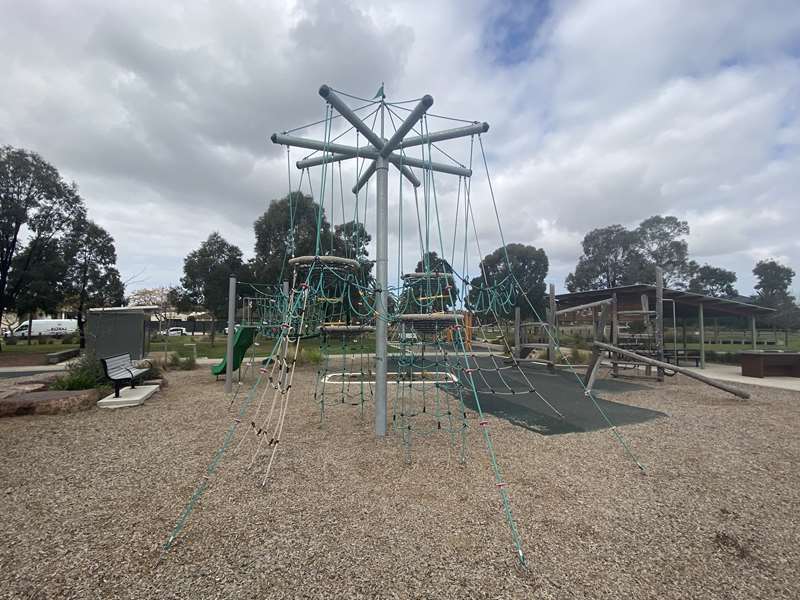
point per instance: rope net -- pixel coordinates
(438, 316)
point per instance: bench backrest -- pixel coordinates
(117, 365)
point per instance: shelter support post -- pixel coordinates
(648, 326)
(596, 359)
(753, 332)
(614, 319)
(553, 334)
(702, 329)
(229, 337)
(660, 321)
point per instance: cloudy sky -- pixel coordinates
(601, 112)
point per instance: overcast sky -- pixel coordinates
(601, 113)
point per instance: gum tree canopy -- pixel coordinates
(289, 227)
(529, 266)
(614, 256)
(206, 272)
(91, 277)
(37, 207)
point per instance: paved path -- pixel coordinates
(733, 374)
(25, 371)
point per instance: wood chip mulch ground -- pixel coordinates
(87, 499)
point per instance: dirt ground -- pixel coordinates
(88, 499)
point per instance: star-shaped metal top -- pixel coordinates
(380, 148)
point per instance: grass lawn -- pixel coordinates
(21, 354)
(205, 349)
(36, 348)
(203, 342)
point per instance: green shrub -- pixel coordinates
(155, 369)
(176, 361)
(575, 355)
(71, 338)
(579, 343)
(82, 374)
(309, 356)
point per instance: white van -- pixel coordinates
(48, 327)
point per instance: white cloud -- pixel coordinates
(604, 112)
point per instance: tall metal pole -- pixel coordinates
(231, 332)
(382, 293)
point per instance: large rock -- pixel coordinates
(49, 402)
(15, 389)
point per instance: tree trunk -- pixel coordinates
(81, 321)
(81, 328)
(30, 327)
(214, 330)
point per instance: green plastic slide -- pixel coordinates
(242, 340)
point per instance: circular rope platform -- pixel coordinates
(432, 275)
(328, 261)
(442, 317)
(431, 322)
(347, 329)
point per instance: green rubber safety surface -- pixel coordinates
(561, 389)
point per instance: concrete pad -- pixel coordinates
(128, 397)
(733, 374)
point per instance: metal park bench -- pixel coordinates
(120, 368)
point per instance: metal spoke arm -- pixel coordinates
(405, 126)
(298, 142)
(396, 159)
(447, 134)
(331, 98)
(362, 181)
(378, 147)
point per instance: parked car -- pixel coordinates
(176, 331)
(48, 327)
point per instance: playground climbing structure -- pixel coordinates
(431, 317)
